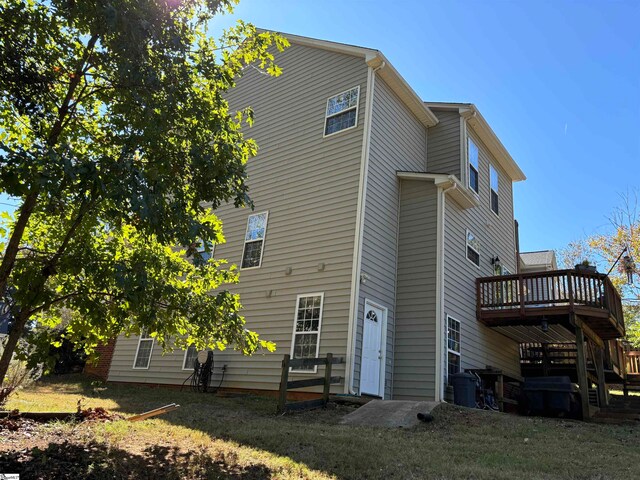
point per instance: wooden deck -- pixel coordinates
(559, 297)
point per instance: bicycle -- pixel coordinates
(485, 398)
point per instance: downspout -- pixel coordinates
(357, 251)
(440, 291)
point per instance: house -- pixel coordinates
(376, 213)
(540, 261)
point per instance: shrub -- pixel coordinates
(18, 376)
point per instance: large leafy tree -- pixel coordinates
(117, 140)
(609, 249)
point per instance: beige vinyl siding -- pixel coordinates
(480, 346)
(415, 343)
(398, 142)
(309, 186)
(444, 144)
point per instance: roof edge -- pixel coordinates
(449, 182)
(374, 59)
(473, 116)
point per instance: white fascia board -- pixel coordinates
(458, 193)
(374, 58)
(404, 91)
(480, 126)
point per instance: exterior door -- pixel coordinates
(372, 350)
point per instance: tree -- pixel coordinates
(607, 248)
(116, 137)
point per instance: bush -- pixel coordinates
(18, 376)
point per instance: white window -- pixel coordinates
(342, 111)
(473, 248)
(254, 240)
(474, 168)
(190, 357)
(204, 251)
(453, 347)
(143, 353)
(493, 175)
(306, 328)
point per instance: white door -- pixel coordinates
(370, 376)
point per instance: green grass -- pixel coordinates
(212, 437)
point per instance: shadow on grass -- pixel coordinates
(459, 443)
(100, 461)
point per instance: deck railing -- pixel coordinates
(565, 354)
(633, 363)
(549, 289)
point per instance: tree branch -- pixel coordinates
(50, 303)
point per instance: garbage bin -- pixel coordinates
(550, 396)
(464, 389)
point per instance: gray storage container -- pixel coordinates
(464, 389)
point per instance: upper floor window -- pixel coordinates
(254, 240)
(493, 175)
(474, 167)
(342, 111)
(306, 328)
(473, 248)
(143, 353)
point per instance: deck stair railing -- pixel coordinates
(633, 362)
(553, 353)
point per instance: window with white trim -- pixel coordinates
(254, 240)
(493, 176)
(204, 251)
(190, 356)
(306, 329)
(473, 248)
(143, 353)
(474, 165)
(342, 111)
(453, 347)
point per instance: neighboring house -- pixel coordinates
(541, 261)
(375, 212)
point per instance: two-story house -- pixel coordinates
(375, 213)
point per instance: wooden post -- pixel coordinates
(282, 398)
(602, 387)
(521, 287)
(327, 379)
(571, 296)
(583, 381)
(545, 359)
(500, 392)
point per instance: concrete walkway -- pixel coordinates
(389, 413)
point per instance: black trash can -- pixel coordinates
(464, 389)
(550, 396)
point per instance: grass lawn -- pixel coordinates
(242, 438)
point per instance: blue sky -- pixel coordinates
(559, 82)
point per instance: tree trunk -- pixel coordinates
(26, 210)
(12, 341)
(16, 237)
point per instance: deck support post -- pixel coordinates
(602, 386)
(583, 381)
(545, 359)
